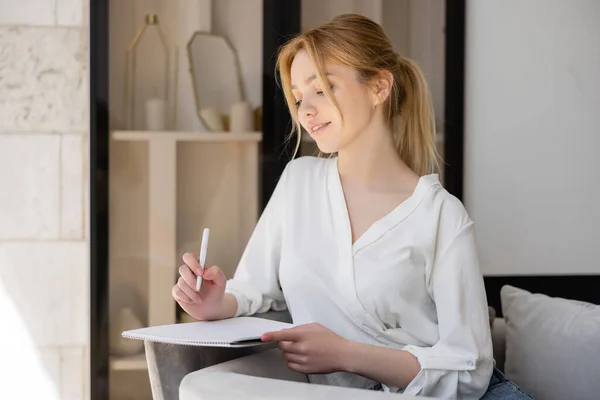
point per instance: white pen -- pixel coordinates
(202, 260)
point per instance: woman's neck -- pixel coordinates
(371, 161)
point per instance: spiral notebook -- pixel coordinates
(232, 332)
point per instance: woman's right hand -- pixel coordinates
(207, 303)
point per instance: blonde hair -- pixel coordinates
(357, 42)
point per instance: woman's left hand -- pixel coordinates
(311, 348)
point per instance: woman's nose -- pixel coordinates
(307, 109)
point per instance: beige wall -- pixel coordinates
(44, 263)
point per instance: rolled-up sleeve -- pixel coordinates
(255, 283)
(460, 364)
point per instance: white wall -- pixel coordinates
(44, 238)
(532, 133)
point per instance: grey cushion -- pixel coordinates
(552, 345)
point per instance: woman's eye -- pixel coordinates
(321, 92)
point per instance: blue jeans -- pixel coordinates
(501, 388)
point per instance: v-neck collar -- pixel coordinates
(382, 225)
(344, 269)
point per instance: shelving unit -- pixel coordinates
(166, 186)
(178, 136)
(132, 363)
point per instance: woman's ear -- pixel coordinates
(382, 86)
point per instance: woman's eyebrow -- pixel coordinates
(310, 79)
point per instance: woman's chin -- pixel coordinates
(327, 145)
(327, 148)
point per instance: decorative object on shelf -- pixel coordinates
(124, 321)
(156, 114)
(215, 75)
(212, 118)
(155, 77)
(241, 118)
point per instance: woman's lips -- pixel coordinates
(320, 128)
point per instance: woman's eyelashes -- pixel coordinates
(319, 92)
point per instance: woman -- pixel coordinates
(373, 258)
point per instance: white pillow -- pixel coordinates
(552, 345)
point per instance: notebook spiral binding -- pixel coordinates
(243, 343)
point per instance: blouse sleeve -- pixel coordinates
(255, 283)
(460, 364)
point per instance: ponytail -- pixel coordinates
(415, 124)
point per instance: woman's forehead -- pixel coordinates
(304, 70)
(302, 65)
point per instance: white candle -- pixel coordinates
(156, 114)
(241, 117)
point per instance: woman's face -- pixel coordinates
(318, 116)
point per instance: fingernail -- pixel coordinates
(199, 271)
(207, 275)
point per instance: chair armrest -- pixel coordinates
(265, 364)
(231, 385)
(281, 316)
(169, 363)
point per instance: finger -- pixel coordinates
(191, 293)
(191, 261)
(268, 336)
(287, 346)
(290, 335)
(188, 276)
(215, 275)
(180, 296)
(300, 359)
(297, 367)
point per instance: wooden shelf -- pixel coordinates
(214, 137)
(132, 363)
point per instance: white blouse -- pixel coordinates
(410, 282)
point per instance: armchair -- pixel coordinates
(257, 372)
